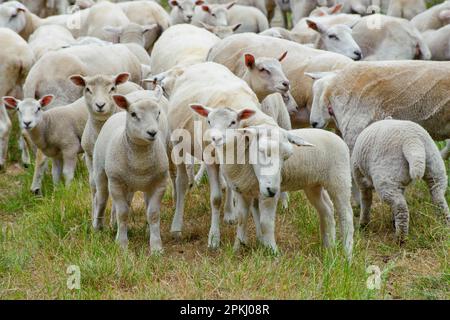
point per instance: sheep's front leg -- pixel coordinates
(216, 200)
(181, 185)
(24, 146)
(4, 140)
(153, 218)
(268, 208)
(100, 200)
(40, 167)
(242, 206)
(69, 164)
(229, 212)
(119, 196)
(56, 170)
(256, 218)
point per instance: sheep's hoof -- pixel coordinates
(123, 244)
(37, 192)
(26, 165)
(177, 235)
(363, 226)
(239, 245)
(213, 242)
(97, 226)
(156, 251)
(230, 219)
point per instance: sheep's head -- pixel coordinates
(269, 148)
(98, 91)
(131, 33)
(186, 8)
(30, 110)
(337, 38)
(217, 14)
(221, 31)
(221, 120)
(265, 75)
(12, 16)
(321, 110)
(325, 11)
(166, 80)
(143, 116)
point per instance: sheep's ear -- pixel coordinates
(46, 100)
(121, 101)
(207, 26)
(173, 3)
(149, 27)
(283, 56)
(114, 30)
(444, 14)
(249, 60)
(206, 8)
(122, 78)
(336, 9)
(199, 2)
(230, 5)
(297, 140)
(10, 102)
(78, 80)
(315, 25)
(318, 75)
(158, 92)
(236, 26)
(201, 110)
(245, 114)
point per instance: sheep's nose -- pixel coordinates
(271, 192)
(152, 133)
(314, 124)
(26, 123)
(358, 55)
(100, 105)
(189, 17)
(286, 84)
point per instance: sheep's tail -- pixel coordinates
(414, 152)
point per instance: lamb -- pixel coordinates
(51, 73)
(15, 16)
(438, 43)
(50, 38)
(389, 155)
(16, 59)
(300, 59)
(323, 171)
(251, 19)
(406, 9)
(129, 156)
(56, 132)
(213, 15)
(382, 37)
(433, 18)
(183, 11)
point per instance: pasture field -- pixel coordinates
(42, 236)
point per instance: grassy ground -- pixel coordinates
(41, 237)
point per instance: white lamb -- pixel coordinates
(130, 156)
(389, 155)
(183, 10)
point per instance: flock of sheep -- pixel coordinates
(139, 91)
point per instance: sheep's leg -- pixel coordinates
(366, 205)
(56, 170)
(284, 197)
(446, 151)
(268, 208)
(3, 150)
(229, 212)
(100, 200)
(24, 147)
(153, 218)
(120, 201)
(215, 200)
(242, 206)
(40, 167)
(356, 196)
(341, 198)
(69, 165)
(395, 198)
(326, 217)
(181, 184)
(437, 183)
(88, 161)
(285, 19)
(200, 173)
(256, 218)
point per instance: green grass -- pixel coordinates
(41, 236)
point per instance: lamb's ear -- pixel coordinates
(319, 75)
(245, 114)
(46, 100)
(249, 60)
(444, 14)
(317, 26)
(173, 3)
(78, 80)
(207, 26)
(10, 102)
(122, 78)
(201, 110)
(149, 27)
(297, 140)
(230, 5)
(121, 101)
(199, 2)
(336, 9)
(236, 26)
(114, 30)
(206, 8)
(283, 56)
(158, 92)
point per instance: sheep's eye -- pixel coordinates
(134, 115)
(213, 14)
(209, 122)
(232, 123)
(13, 16)
(88, 90)
(112, 89)
(38, 109)
(333, 36)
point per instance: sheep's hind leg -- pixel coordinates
(100, 200)
(69, 165)
(40, 167)
(181, 185)
(153, 218)
(120, 202)
(242, 206)
(438, 186)
(215, 200)
(395, 198)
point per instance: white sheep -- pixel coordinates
(56, 132)
(438, 43)
(50, 38)
(434, 18)
(389, 155)
(212, 14)
(183, 10)
(323, 171)
(250, 19)
(130, 156)
(406, 9)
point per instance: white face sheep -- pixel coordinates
(12, 16)
(129, 156)
(388, 156)
(337, 38)
(215, 15)
(183, 10)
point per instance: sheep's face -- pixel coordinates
(320, 111)
(98, 92)
(30, 111)
(166, 80)
(186, 8)
(216, 15)
(220, 121)
(266, 75)
(143, 117)
(12, 16)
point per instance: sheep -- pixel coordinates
(406, 9)
(183, 10)
(251, 19)
(16, 59)
(433, 18)
(382, 37)
(181, 44)
(51, 73)
(388, 155)
(446, 151)
(259, 4)
(98, 92)
(299, 60)
(337, 38)
(214, 85)
(302, 8)
(213, 15)
(15, 16)
(129, 156)
(50, 38)
(438, 43)
(326, 11)
(56, 132)
(323, 171)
